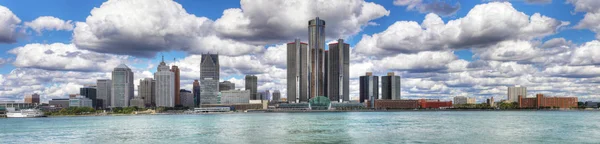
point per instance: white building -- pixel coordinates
(122, 86)
(235, 97)
(165, 86)
(80, 101)
(516, 91)
(464, 100)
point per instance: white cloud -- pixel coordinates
(437, 7)
(49, 23)
(420, 62)
(8, 26)
(587, 54)
(591, 20)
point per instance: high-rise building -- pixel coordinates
(298, 70)
(390, 86)
(226, 85)
(326, 63)
(177, 83)
(235, 97)
(276, 96)
(80, 101)
(187, 98)
(165, 86)
(251, 82)
(147, 92)
(209, 79)
(515, 91)
(122, 86)
(339, 71)
(32, 99)
(369, 88)
(316, 42)
(104, 91)
(196, 91)
(266, 95)
(91, 93)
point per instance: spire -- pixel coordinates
(163, 58)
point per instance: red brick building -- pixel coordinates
(540, 101)
(436, 104)
(394, 104)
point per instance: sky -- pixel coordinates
(440, 48)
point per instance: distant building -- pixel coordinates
(122, 86)
(393, 104)
(138, 102)
(540, 101)
(369, 88)
(252, 85)
(316, 42)
(196, 91)
(516, 91)
(187, 98)
(32, 99)
(165, 86)
(80, 101)
(17, 105)
(591, 104)
(63, 103)
(91, 93)
(491, 102)
(226, 85)
(458, 100)
(235, 97)
(176, 84)
(276, 96)
(103, 92)
(298, 70)
(266, 95)
(390, 86)
(147, 92)
(338, 76)
(209, 79)
(434, 104)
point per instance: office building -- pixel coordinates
(32, 99)
(235, 97)
(326, 67)
(541, 101)
(165, 86)
(316, 42)
(339, 71)
(196, 91)
(137, 102)
(103, 92)
(298, 70)
(147, 92)
(369, 88)
(187, 98)
(491, 102)
(390, 86)
(226, 85)
(80, 101)
(91, 93)
(63, 103)
(122, 86)
(266, 95)
(251, 82)
(458, 100)
(515, 91)
(276, 96)
(209, 79)
(176, 83)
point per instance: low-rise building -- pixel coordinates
(137, 102)
(187, 98)
(80, 101)
(63, 103)
(393, 104)
(17, 105)
(434, 103)
(235, 97)
(590, 104)
(540, 101)
(458, 100)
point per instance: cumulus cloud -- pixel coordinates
(420, 62)
(49, 23)
(591, 20)
(587, 54)
(437, 7)
(59, 56)
(8, 26)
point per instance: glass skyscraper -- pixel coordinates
(122, 86)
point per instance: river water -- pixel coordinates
(326, 127)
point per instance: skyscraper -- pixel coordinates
(226, 85)
(209, 79)
(196, 92)
(103, 92)
(33, 98)
(252, 85)
(187, 98)
(390, 86)
(326, 74)
(147, 92)
(91, 93)
(122, 86)
(515, 91)
(316, 42)
(298, 70)
(276, 95)
(369, 88)
(165, 86)
(339, 71)
(175, 71)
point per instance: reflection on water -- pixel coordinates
(350, 127)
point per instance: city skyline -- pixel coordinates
(554, 53)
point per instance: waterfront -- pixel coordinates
(339, 127)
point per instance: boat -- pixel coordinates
(26, 113)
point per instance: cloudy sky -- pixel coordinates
(441, 49)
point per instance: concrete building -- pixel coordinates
(390, 86)
(176, 83)
(103, 92)
(138, 102)
(32, 99)
(316, 42)
(196, 91)
(464, 100)
(91, 93)
(265, 95)
(491, 102)
(540, 101)
(147, 92)
(369, 88)
(165, 86)
(235, 97)
(515, 91)
(298, 70)
(338, 71)
(209, 79)
(80, 101)
(276, 96)
(226, 85)
(187, 98)
(63, 103)
(122, 86)
(251, 82)
(326, 63)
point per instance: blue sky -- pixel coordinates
(434, 75)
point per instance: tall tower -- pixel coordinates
(209, 79)
(252, 85)
(338, 72)
(147, 91)
(369, 88)
(103, 92)
(175, 71)
(390, 86)
(298, 70)
(316, 42)
(122, 86)
(165, 86)
(196, 91)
